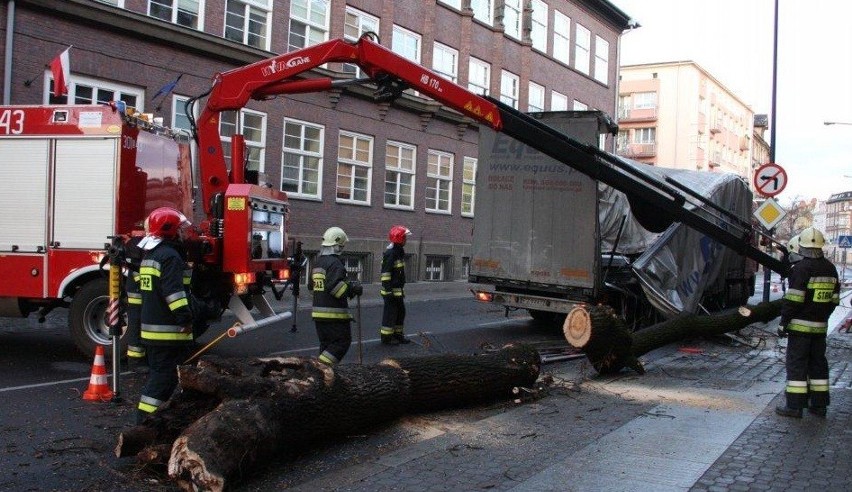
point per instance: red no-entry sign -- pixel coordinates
(770, 179)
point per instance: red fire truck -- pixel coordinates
(78, 176)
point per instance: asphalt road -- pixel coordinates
(53, 440)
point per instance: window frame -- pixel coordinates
(540, 91)
(480, 7)
(302, 153)
(510, 99)
(309, 24)
(582, 48)
(199, 15)
(247, 11)
(361, 16)
(399, 171)
(94, 84)
(561, 40)
(355, 165)
(259, 145)
(515, 6)
(641, 135)
(563, 97)
(540, 35)
(439, 53)
(439, 179)
(601, 72)
(475, 87)
(468, 183)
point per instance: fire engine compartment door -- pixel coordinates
(84, 192)
(23, 203)
(536, 218)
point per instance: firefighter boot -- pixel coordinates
(400, 338)
(817, 411)
(389, 340)
(786, 411)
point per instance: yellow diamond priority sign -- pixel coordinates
(769, 213)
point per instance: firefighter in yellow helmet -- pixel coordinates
(813, 294)
(393, 283)
(332, 289)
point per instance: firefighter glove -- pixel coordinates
(782, 331)
(355, 289)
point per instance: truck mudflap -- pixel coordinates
(527, 301)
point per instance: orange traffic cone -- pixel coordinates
(98, 389)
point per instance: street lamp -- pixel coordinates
(829, 123)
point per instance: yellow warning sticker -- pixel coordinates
(236, 203)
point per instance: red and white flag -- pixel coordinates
(61, 73)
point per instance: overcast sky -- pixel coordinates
(732, 39)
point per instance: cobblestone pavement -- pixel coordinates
(701, 419)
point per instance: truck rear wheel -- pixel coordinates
(87, 318)
(545, 317)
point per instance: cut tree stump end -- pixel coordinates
(577, 327)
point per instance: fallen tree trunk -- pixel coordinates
(248, 410)
(610, 346)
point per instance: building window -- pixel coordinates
(538, 33)
(479, 77)
(114, 3)
(85, 90)
(468, 186)
(622, 141)
(400, 162)
(644, 135)
(601, 60)
(561, 37)
(308, 23)
(465, 267)
(456, 4)
(406, 44)
(180, 12)
(247, 22)
(252, 125)
(582, 45)
(578, 106)
(644, 100)
(354, 167)
(483, 10)
(355, 24)
(436, 268)
(558, 101)
(509, 89)
(512, 18)
(355, 266)
(439, 180)
(445, 61)
(535, 101)
(301, 162)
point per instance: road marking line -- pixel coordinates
(503, 322)
(53, 383)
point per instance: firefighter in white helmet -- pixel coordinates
(392, 331)
(332, 289)
(813, 294)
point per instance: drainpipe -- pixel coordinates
(7, 64)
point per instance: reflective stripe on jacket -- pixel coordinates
(330, 286)
(813, 293)
(166, 315)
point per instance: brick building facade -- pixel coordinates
(342, 158)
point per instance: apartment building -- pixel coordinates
(343, 159)
(677, 115)
(838, 222)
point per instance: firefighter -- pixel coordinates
(332, 290)
(166, 315)
(813, 294)
(393, 283)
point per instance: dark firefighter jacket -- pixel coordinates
(330, 287)
(813, 294)
(164, 282)
(393, 271)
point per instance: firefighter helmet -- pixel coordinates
(165, 222)
(811, 237)
(398, 234)
(334, 236)
(793, 245)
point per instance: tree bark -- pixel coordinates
(612, 347)
(268, 406)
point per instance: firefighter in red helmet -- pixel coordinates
(166, 317)
(393, 283)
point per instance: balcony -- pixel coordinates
(635, 150)
(637, 114)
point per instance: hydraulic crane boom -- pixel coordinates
(393, 74)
